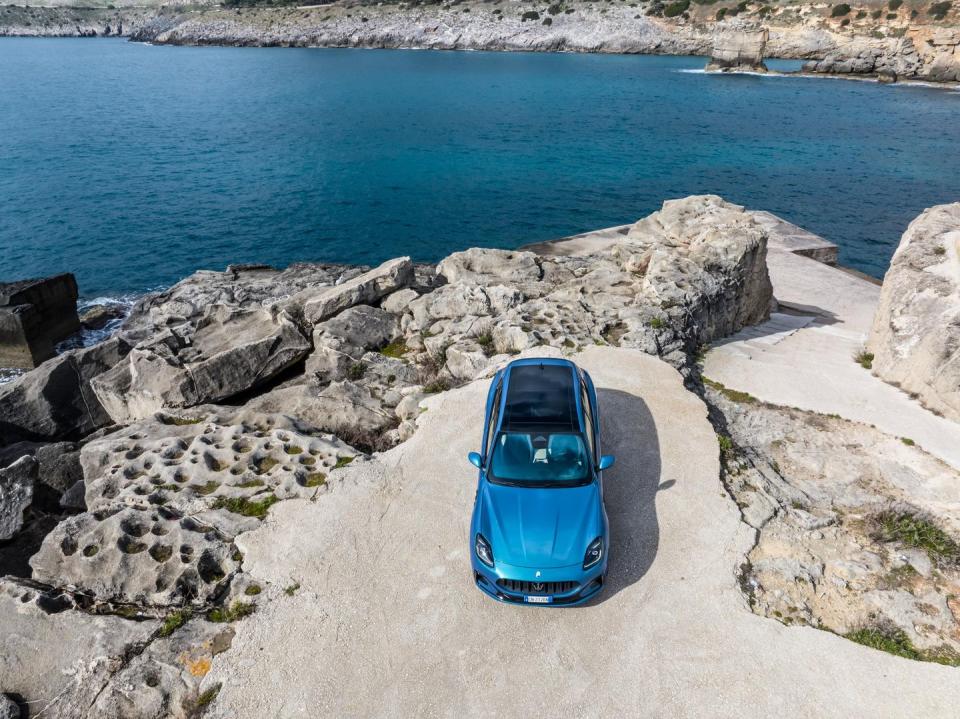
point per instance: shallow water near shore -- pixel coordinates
(133, 165)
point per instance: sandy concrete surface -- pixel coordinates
(813, 367)
(387, 622)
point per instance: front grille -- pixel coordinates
(521, 587)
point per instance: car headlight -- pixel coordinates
(594, 553)
(484, 552)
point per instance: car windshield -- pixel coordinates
(539, 459)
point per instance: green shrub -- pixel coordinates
(721, 13)
(356, 371)
(876, 14)
(530, 15)
(547, 21)
(939, 10)
(894, 4)
(676, 8)
(840, 10)
(861, 15)
(555, 9)
(864, 359)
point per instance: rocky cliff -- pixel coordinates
(887, 39)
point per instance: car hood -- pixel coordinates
(536, 527)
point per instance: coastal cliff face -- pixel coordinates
(889, 39)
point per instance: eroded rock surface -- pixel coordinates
(166, 497)
(839, 510)
(915, 338)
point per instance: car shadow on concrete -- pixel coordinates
(630, 487)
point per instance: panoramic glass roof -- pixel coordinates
(540, 396)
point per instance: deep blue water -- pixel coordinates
(133, 165)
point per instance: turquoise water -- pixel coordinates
(133, 165)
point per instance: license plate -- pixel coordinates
(539, 600)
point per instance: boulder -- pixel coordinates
(706, 267)
(34, 316)
(478, 265)
(16, 494)
(399, 301)
(915, 338)
(226, 352)
(367, 288)
(739, 52)
(55, 400)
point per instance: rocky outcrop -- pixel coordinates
(225, 352)
(915, 340)
(833, 504)
(363, 289)
(34, 316)
(739, 52)
(165, 497)
(55, 401)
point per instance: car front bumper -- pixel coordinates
(523, 583)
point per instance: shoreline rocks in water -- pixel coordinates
(739, 52)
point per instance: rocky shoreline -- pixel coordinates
(134, 472)
(875, 42)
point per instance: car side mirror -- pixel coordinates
(606, 462)
(475, 459)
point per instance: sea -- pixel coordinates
(133, 165)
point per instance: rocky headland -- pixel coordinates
(887, 40)
(158, 489)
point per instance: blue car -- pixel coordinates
(539, 532)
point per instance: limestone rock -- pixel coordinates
(59, 658)
(915, 337)
(398, 302)
(739, 51)
(246, 287)
(56, 401)
(165, 679)
(166, 497)
(34, 316)
(16, 493)
(226, 352)
(367, 288)
(476, 265)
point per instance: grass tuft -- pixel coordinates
(173, 622)
(246, 507)
(864, 359)
(343, 462)
(731, 394)
(396, 349)
(253, 590)
(292, 589)
(237, 610)
(917, 531)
